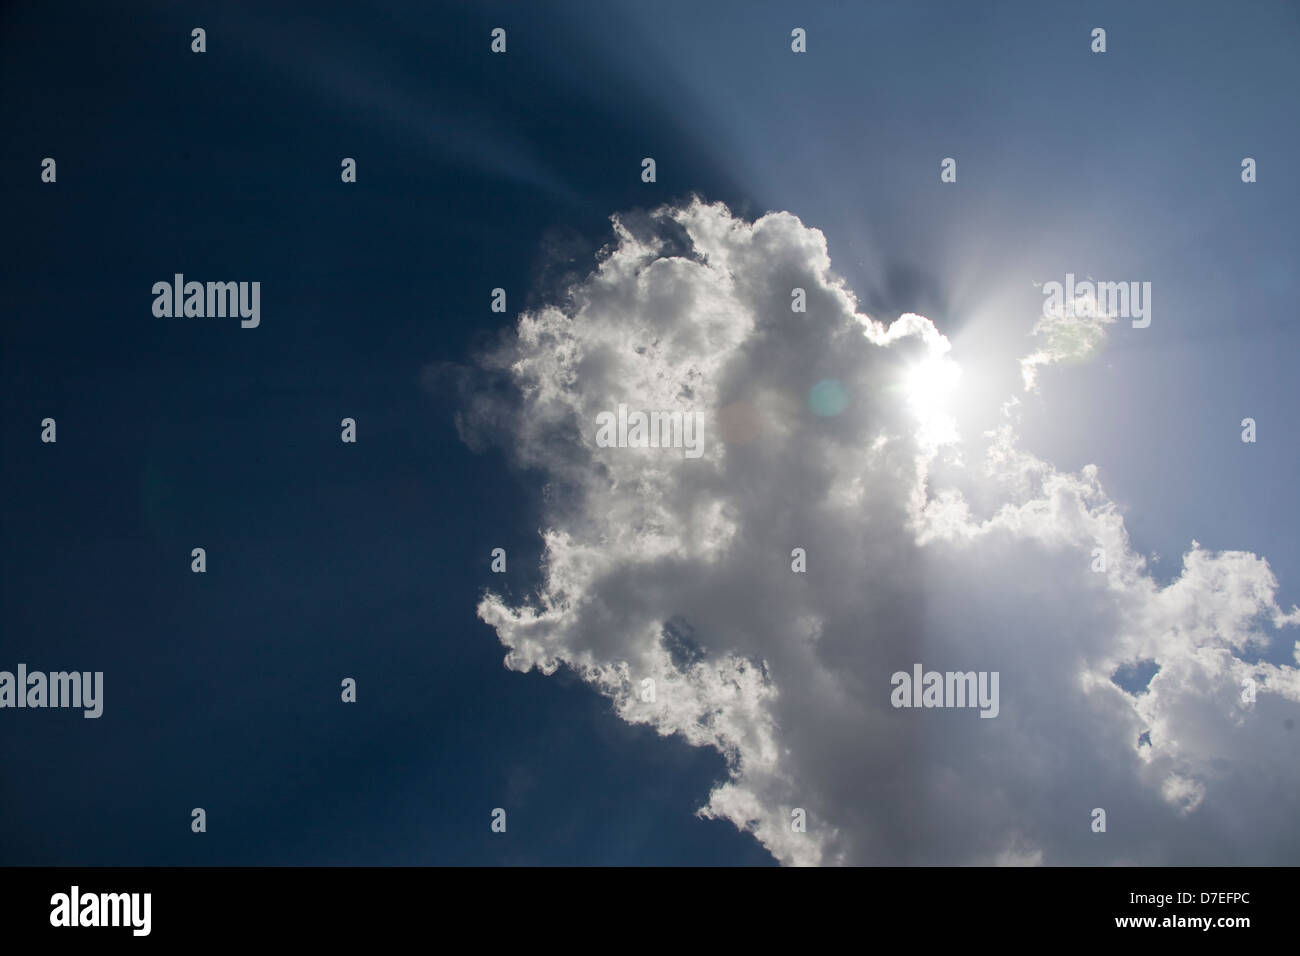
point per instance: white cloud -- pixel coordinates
(962, 555)
(1068, 331)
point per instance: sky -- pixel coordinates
(948, 518)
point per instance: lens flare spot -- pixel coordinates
(828, 397)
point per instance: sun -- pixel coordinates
(928, 387)
(930, 383)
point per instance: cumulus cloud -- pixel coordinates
(961, 553)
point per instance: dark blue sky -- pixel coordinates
(325, 560)
(476, 171)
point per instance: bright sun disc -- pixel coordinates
(929, 387)
(930, 384)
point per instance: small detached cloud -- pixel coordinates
(1070, 330)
